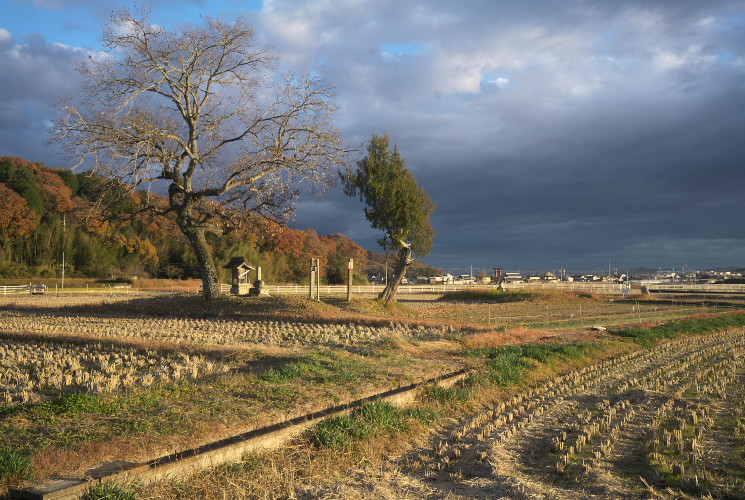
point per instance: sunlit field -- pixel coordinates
(90, 378)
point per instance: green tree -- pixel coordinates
(22, 180)
(71, 181)
(394, 203)
(202, 110)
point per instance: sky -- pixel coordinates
(551, 134)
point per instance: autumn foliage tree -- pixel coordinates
(394, 203)
(204, 111)
(78, 215)
(16, 219)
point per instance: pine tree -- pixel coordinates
(394, 203)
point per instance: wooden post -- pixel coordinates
(312, 277)
(350, 268)
(318, 279)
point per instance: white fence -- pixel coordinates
(695, 287)
(14, 289)
(608, 288)
(570, 286)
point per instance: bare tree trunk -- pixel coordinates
(404, 261)
(206, 262)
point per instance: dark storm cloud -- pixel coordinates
(35, 75)
(548, 133)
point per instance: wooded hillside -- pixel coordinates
(101, 228)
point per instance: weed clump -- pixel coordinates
(110, 491)
(447, 395)
(79, 404)
(361, 423)
(321, 367)
(14, 468)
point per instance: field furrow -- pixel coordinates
(667, 416)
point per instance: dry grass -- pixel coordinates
(272, 358)
(371, 469)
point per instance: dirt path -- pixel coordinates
(667, 417)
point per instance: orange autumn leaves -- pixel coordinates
(16, 218)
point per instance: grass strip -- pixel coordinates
(495, 296)
(363, 422)
(321, 367)
(508, 364)
(671, 329)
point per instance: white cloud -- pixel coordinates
(694, 57)
(500, 82)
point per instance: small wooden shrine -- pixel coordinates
(241, 283)
(240, 275)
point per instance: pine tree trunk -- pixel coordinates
(205, 261)
(404, 261)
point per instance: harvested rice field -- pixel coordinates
(552, 408)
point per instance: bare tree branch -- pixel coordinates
(203, 109)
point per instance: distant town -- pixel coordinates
(498, 275)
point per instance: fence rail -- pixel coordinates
(424, 289)
(606, 288)
(14, 289)
(698, 287)
(570, 286)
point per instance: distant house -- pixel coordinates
(445, 279)
(512, 277)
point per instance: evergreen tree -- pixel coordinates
(394, 203)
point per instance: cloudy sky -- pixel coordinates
(549, 133)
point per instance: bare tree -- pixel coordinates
(205, 110)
